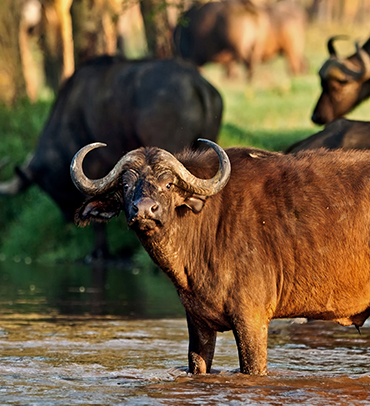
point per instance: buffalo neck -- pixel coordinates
(181, 251)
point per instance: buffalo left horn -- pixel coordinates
(187, 181)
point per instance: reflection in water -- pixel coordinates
(79, 289)
(66, 341)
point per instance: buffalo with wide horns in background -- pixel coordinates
(128, 104)
(340, 133)
(345, 83)
(239, 30)
(264, 236)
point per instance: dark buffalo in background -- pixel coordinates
(127, 104)
(340, 133)
(241, 31)
(272, 236)
(345, 83)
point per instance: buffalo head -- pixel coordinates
(148, 184)
(344, 84)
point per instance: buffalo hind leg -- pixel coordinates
(202, 343)
(251, 340)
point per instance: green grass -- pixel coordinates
(270, 113)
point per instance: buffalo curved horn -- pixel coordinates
(342, 65)
(20, 181)
(93, 187)
(330, 44)
(327, 67)
(364, 58)
(204, 187)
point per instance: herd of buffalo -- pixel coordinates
(245, 235)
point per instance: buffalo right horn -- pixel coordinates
(364, 58)
(187, 181)
(204, 187)
(93, 187)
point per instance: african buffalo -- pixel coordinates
(127, 104)
(340, 133)
(345, 83)
(238, 30)
(269, 236)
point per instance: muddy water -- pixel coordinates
(73, 336)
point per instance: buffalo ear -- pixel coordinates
(100, 209)
(195, 203)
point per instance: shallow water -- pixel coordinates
(73, 336)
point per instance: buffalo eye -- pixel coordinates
(128, 179)
(165, 179)
(343, 81)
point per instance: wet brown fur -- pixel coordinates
(288, 236)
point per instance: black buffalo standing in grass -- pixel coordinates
(340, 133)
(127, 104)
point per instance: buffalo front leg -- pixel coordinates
(202, 343)
(251, 340)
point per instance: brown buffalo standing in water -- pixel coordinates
(345, 83)
(269, 236)
(238, 30)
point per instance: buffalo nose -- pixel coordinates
(145, 207)
(319, 118)
(316, 118)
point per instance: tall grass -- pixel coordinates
(270, 113)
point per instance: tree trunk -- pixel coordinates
(57, 42)
(339, 11)
(157, 28)
(94, 28)
(29, 32)
(12, 82)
